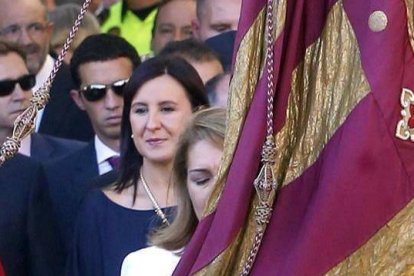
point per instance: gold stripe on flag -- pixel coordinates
(247, 68)
(325, 88)
(390, 252)
(410, 20)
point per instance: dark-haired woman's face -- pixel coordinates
(159, 113)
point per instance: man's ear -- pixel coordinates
(195, 27)
(77, 98)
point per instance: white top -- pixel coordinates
(103, 152)
(150, 261)
(25, 146)
(41, 78)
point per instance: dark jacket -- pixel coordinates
(29, 243)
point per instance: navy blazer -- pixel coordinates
(62, 117)
(29, 243)
(45, 148)
(69, 179)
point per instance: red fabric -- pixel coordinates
(1, 270)
(362, 178)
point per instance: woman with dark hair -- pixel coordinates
(195, 168)
(159, 99)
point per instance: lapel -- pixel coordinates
(40, 149)
(86, 166)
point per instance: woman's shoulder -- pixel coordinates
(151, 260)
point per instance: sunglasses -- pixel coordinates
(95, 92)
(26, 82)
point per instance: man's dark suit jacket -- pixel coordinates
(29, 243)
(62, 118)
(45, 148)
(69, 180)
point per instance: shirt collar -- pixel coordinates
(44, 72)
(25, 146)
(103, 152)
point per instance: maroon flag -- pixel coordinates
(1, 270)
(344, 80)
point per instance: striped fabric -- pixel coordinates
(346, 203)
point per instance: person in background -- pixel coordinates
(16, 99)
(223, 45)
(218, 89)
(159, 99)
(28, 241)
(100, 74)
(203, 59)
(171, 25)
(29, 244)
(99, 8)
(25, 22)
(195, 169)
(63, 18)
(215, 17)
(133, 20)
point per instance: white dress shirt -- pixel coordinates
(41, 78)
(25, 146)
(103, 152)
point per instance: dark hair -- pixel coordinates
(101, 47)
(181, 71)
(211, 86)
(190, 49)
(10, 47)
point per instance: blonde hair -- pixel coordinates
(207, 124)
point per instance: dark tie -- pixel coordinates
(114, 161)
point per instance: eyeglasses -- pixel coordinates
(14, 32)
(26, 82)
(95, 92)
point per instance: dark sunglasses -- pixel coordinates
(26, 82)
(95, 92)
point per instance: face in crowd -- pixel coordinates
(173, 23)
(215, 17)
(25, 22)
(100, 95)
(203, 162)
(158, 118)
(159, 99)
(15, 89)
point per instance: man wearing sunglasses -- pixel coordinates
(29, 243)
(25, 22)
(100, 67)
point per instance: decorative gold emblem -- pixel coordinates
(405, 127)
(378, 21)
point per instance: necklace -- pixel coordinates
(157, 209)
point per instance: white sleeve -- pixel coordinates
(128, 266)
(149, 261)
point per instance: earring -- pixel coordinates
(132, 136)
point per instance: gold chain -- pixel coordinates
(266, 183)
(157, 209)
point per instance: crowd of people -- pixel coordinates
(125, 153)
